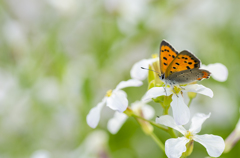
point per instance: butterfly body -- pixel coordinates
(179, 68)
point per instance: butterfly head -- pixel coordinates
(162, 77)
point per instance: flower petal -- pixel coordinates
(199, 89)
(214, 144)
(218, 70)
(141, 106)
(118, 101)
(197, 122)
(137, 72)
(181, 112)
(93, 116)
(115, 123)
(168, 121)
(153, 93)
(128, 83)
(148, 112)
(174, 147)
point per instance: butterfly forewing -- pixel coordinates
(184, 61)
(166, 55)
(188, 76)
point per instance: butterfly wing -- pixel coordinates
(184, 61)
(166, 55)
(189, 76)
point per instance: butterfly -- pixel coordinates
(179, 68)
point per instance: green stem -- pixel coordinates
(190, 101)
(172, 133)
(169, 130)
(166, 104)
(158, 141)
(165, 111)
(151, 122)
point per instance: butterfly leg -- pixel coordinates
(165, 88)
(181, 87)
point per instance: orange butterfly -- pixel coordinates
(179, 68)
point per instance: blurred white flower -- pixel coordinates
(174, 147)
(15, 34)
(40, 154)
(93, 146)
(64, 6)
(218, 71)
(138, 107)
(137, 72)
(129, 11)
(115, 99)
(233, 138)
(181, 112)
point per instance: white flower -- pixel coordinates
(94, 144)
(233, 138)
(115, 99)
(218, 71)
(115, 123)
(174, 147)
(181, 112)
(40, 154)
(137, 72)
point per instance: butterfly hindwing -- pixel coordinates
(184, 61)
(188, 76)
(166, 55)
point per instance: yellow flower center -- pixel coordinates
(109, 93)
(154, 56)
(176, 89)
(189, 135)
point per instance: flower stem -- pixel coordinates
(151, 122)
(172, 133)
(190, 101)
(169, 130)
(165, 111)
(166, 104)
(158, 141)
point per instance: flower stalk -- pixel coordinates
(158, 141)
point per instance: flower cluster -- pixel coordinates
(168, 97)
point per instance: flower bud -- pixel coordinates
(189, 147)
(192, 95)
(128, 112)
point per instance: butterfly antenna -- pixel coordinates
(159, 74)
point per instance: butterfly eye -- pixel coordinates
(162, 76)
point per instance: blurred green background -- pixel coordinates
(59, 57)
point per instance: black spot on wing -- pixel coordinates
(164, 58)
(188, 67)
